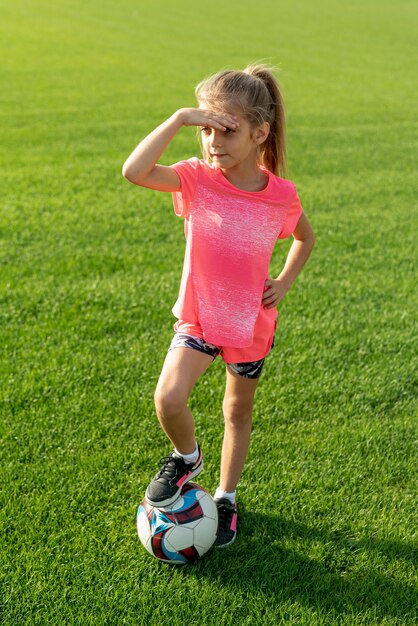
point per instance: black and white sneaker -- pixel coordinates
(227, 522)
(166, 486)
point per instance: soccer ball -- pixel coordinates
(181, 532)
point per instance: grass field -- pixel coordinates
(90, 268)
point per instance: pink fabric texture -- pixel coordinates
(230, 236)
(260, 347)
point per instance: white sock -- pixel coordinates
(225, 494)
(188, 458)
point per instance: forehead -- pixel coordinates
(222, 110)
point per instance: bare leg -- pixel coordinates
(181, 370)
(237, 406)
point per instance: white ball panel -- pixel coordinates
(175, 506)
(180, 537)
(205, 534)
(148, 546)
(191, 525)
(208, 506)
(143, 527)
(201, 551)
(201, 493)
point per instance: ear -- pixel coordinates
(261, 133)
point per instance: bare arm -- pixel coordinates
(141, 166)
(304, 239)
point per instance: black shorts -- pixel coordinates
(252, 369)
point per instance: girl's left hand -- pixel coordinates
(274, 292)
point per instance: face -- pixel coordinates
(232, 147)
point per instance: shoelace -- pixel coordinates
(225, 514)
(170, 469)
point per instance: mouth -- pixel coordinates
(217, 156)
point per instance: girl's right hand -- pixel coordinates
(207, 118)
(141, 167)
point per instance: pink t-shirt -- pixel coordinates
(230, 236)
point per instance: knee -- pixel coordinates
(237, 414)
(168, 402)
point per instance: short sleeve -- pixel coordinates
(293, 213)
(188, 172)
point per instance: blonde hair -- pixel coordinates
(256, 93)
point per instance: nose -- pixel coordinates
(215, 138)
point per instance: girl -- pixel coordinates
(235, 206)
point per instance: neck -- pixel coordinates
(246, 177)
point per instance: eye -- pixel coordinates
(206, 130)
(229, 131)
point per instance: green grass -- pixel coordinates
(90, 268)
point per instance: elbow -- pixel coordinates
(125, 172)
(128, 173)
(312, 240)
(135, 178)
(308, 241)
(311, 236)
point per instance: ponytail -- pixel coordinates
(273, 152)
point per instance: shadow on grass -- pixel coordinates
(344, 578)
